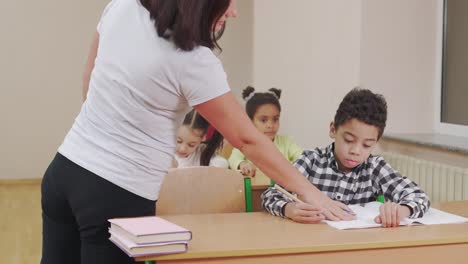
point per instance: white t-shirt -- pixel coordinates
(193, 159)
(140, 89)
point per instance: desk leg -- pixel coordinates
(248, 194)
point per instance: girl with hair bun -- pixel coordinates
(264, 109)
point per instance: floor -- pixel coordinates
(20, 221)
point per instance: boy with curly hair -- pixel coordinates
(348, 173)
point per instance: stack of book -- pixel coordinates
(146, 236)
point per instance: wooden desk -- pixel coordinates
(259, 184)
(261, 238)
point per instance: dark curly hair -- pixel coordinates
(254, 101)
(365, 106)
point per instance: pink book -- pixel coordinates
(151, 229)
(138, 250)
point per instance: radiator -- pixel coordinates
(440, 181)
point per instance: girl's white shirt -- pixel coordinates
(193, 159)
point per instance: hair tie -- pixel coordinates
(249, 97)
(275, 95)
(209, 132)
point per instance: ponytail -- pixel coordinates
(214, 143)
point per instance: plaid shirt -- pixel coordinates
(362, 185)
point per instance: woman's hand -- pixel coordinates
(391, 214)
(247, 169)
(303, 213)
(331, 210)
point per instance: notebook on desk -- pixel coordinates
(365, 218)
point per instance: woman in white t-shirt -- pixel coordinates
(198, 143)
(149, 62)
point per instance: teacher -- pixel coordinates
(150, 61)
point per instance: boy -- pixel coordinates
(348, 173)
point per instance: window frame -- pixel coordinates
(439, 126)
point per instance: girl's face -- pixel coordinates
(188, 140)
(230, 12)
(267, 120)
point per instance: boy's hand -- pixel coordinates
(332, 210)
(303, 213)
(391, 214)
(247, 168)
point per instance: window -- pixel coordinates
(452, 94)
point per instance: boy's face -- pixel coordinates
(266, 120)
(354, 142)
(188, 140)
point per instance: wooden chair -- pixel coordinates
(197, 190)
(225, 152)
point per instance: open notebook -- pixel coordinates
(365, 218)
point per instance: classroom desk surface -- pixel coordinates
(260, 181)
(261, 238)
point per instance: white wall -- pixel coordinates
(310, 50)
(237, 45)
(43, 50)
(398, 59)
(314, 50)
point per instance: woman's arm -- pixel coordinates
(90, 65)
(225, 113)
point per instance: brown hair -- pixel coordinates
(188, 23)
(195, 121)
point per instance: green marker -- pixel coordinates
(248, 194)
(381, 199)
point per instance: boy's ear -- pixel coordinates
(332, 130)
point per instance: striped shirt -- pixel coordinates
(362, 185)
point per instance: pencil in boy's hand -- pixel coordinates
(349, 212)
(289, 195)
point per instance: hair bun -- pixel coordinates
(276, 92)
(247, 92)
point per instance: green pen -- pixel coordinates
(381, 199)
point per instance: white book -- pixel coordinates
(365, 218)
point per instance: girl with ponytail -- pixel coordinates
(198, 143)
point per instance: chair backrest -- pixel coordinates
(196, 190)
(226, 150)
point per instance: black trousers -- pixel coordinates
(76, 204)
